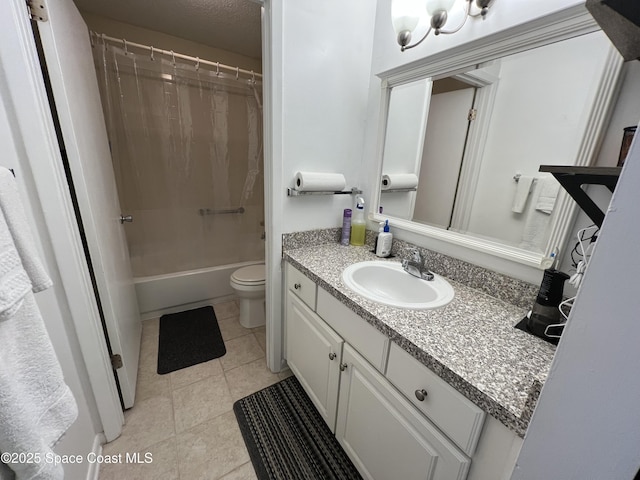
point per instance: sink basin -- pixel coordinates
(388, 283)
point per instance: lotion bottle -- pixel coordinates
(385, 239)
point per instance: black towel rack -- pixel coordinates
(572, 178)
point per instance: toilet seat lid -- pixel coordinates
(249, 275)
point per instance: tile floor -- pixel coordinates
(185, 419)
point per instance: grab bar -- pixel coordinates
(208, 211)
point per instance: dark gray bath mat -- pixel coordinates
(287, 438)
(188, 338)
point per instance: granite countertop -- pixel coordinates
(470, 343)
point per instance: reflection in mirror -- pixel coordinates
(476, 139)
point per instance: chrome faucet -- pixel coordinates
(416, 266)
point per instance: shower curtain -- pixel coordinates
(186, 145)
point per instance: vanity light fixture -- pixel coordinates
(406, 14)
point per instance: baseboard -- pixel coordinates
(186, 306)
(94, 468)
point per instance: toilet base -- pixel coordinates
(252, 312)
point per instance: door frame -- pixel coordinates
(26, 97)
(273, 185)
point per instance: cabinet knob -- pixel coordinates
(332, 356)
(297, 286)
(421, 394)
(343, 367)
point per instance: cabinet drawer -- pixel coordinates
(371, 344)
(454, 414)
(302, 286)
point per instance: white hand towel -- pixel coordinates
(36, 406)
(549, 188)
(523, 187)
(11, 206)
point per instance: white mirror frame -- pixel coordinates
(560, 26)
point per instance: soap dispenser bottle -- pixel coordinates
(385, 239)
(358, 223)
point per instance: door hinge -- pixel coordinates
(116, 361)
(37, 10)
(472, 114)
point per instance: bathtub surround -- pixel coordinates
(470, 343)
(187, 155)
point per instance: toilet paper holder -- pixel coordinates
(296, 193)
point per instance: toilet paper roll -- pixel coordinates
(399, 180)
(319, 182)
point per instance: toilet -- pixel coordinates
(248, 284)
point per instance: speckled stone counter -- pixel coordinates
(470, 343)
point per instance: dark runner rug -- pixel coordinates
(188, 338)
(287, 438)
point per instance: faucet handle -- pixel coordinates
(416, 256)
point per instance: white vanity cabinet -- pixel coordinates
(313, 349)
(364, 386)
(384, 435)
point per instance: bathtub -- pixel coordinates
(161, 294)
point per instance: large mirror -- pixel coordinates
(462, 148)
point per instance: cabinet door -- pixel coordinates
(384, 435)
(314, 352)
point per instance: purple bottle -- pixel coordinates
(346, 227)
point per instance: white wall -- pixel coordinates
(52, 302)
(317, 61)
(324, 69)
(586, 423)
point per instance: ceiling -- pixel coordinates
(232, 25)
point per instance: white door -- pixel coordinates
(442, 156)
(67, 50)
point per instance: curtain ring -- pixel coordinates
(126, 52)
(104, 43)
(217, 69)
(237, 72)
(197, 63)
(152, 59)
(92, 38)
(173, 58)
(253, 78)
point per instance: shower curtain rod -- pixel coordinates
(197, 60)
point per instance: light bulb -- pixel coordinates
(434, 6)
(405, 14)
